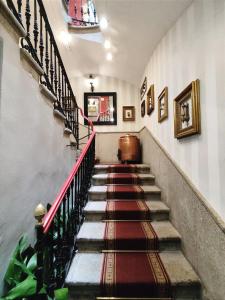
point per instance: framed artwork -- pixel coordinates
(128, 113)
(150, 100)
(163, 105)
(187, 111)
(143, 108)
(143, 88)
(100, 108)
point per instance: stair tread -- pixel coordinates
(145, 188)
(100, 206)
(103, 166)
(105, 175)
(86, 270)
(94, 231)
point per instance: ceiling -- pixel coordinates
(135, 28)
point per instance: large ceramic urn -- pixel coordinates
(129, 148)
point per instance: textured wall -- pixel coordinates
(34, 159)
(202, 231)
(194, 48)
(127, 94)
(107, 146)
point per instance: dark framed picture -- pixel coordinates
(150, 100)
(143, 88)
(100, 108)
(187, 120)
(128, 113)
(163, 105)
(143, 108)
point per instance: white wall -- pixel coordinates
(34, 159)
(127, 95)
(195, 48)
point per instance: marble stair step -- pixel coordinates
(141, 168)
(151, 192)
(84, 276)
(145, 179)
(95, 210)
(91, 236)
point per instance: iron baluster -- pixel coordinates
(19, 5)
(41, 43)
(35, 31)
(51, 65)
(55, 73)
(46, 53)
(28, 16)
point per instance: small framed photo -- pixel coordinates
(143, 88)
(150, 100)
(163, 105)
(128, 113)
(143, 108)
(187, 119)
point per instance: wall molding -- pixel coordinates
(218, 220)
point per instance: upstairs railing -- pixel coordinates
(58, 228)
(82, 13)
(40, 43)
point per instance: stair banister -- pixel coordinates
(56, 232)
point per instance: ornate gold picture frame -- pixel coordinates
(187, 119)
(163, 105)
(128, 113)
(150, 100)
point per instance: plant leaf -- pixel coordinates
(25, 288)
(32, 263)
(61, 294)
(11, 274)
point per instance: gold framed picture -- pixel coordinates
(128, 113)
(187, 120)
(163, 105)
(143, 109)
(150, 100)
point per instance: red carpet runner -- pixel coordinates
(127, 210)
(130, 235)
(134, 275)
(124, 192)
(123, 178)
(130, 274)
(121, 168)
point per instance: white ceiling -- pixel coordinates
(135, 29)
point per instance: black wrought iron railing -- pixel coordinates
(57, 230)
(41, 45)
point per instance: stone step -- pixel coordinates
(91, 236)
(84, 276)
(150, 192)
(95, 210)
(144, 179)
(141, 168)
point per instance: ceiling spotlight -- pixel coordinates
(109, 56)
(65, 38)
(103, 23)
(107, 44)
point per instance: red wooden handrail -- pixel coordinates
(52, 211)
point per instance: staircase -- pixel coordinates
(123, 203)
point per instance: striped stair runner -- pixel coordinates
(130, 273)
